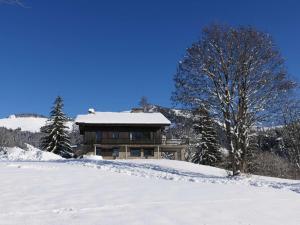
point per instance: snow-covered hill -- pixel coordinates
(30, 123)
(141, 192)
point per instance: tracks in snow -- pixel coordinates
(148, 170)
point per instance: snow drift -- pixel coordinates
(30, 154)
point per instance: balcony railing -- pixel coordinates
(173, 141)
(155, 141)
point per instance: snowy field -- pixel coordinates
(140, 192)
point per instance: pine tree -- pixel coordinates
(57, 138)
(206, 145)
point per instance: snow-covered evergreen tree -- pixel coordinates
(57, 138)
(206, 147)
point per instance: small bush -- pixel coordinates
(270, 164)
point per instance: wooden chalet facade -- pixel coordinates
(127, 135)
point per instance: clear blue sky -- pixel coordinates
(107, 54)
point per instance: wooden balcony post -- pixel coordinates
(125, 151)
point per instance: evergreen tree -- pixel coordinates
(57, 138)
(206, 145)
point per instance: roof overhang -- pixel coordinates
(123, 124)
(122, 119)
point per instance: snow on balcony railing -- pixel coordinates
(172, 141)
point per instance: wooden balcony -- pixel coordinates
(143, 141)
(124, 141)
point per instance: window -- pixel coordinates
(115, 152)
(140, 135)
(135, 135)
(135, 152)
(147, 135)
(115, 135)
(98, 136)
(98, 151)
(148, 152)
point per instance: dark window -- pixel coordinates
(146, 135)
(98, 151)
(115, 135)
(140, 135)
(98, 136)
(135, 135)
(115, 152)
(148, 152)
(135, 152)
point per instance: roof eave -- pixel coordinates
(124, 124)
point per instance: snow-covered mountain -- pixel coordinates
(26, 123)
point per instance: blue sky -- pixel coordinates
(107, 54)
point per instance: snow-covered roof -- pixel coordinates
(123, 118)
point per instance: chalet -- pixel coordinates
(127, 135)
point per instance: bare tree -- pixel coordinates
(240, 75)
(144, 103)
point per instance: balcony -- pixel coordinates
(142, 141)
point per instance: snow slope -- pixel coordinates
(32, 124)
(138, 192)
(30, 154)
